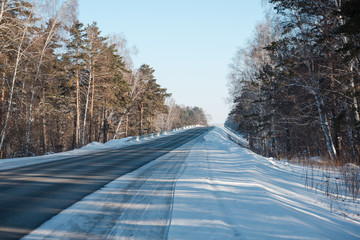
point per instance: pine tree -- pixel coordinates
(77, 48)
(151, 100)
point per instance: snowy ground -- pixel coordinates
(227, 192)
(221, 191)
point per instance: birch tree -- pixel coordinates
(53, 26)
(23, 25)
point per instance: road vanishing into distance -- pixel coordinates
(29, 196)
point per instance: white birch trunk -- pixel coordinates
(86, 108)
(118, 127)
(354, 100)
(325, 127)
(2, 9)
(119, 124)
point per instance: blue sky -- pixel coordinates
(189, 43)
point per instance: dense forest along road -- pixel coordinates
(31, 195)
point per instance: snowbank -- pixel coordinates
(227, 192)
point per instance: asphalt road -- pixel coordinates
(31, 195)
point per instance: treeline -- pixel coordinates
(178, 116)
(64, 85)
(295, 86)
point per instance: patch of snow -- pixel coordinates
(236, 137)
(351, 167)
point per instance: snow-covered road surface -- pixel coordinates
(222, 191)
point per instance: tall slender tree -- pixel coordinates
(77, 48)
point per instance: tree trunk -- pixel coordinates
(86, 108)
(272, 122)
(104, 127)
(59, 137)
(141, 106)
(353, 90)
(2, 99)
(99, 124)
(74, 134)
(288, 144)
(77, 129)
(27, 145)
(2, 9)
(127, 125)
(325, 127)
(92, 106)
(349, 130)
(44, 133)
(334, 128)
(118, 126)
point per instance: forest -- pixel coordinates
(64, 84)
(295, 85)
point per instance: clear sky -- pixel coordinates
(189, 43)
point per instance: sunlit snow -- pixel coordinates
(221, 191)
